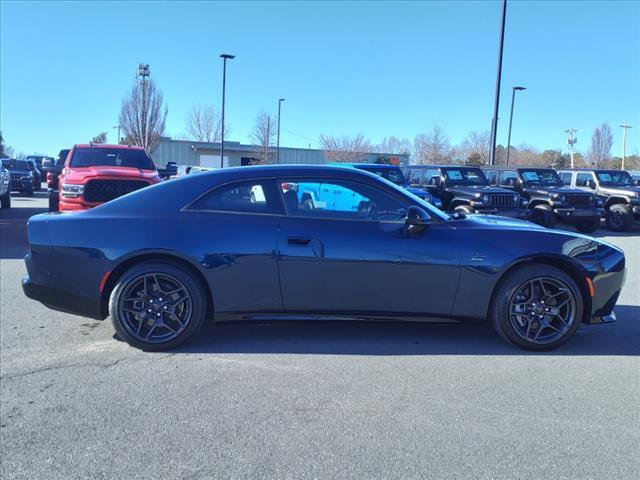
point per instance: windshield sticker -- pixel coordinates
(454, 175)
(530, 176)
(605, 177)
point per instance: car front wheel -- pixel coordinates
(5, 200)
(537, 307)
(543, 215)
(157, 306)
(619, 217)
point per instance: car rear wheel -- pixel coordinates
(543, 215)
(157, 306)
(5, 200)
(588, 227)
(537, 307)
(619, 217)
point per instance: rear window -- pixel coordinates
(112, 157)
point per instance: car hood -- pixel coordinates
(622, 190)
(474, 191)
(555, 190)
(80, 174)
(19, 171)
(418, 191)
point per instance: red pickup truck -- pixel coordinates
(96, 173)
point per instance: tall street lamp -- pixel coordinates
(513, 97)
(225, 57)
(494, 124)
(280, 100)
(117, 127)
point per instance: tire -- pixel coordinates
(54, 202)
(192, 309)
(5, 200)
(619, 217)
(464, 209)
(518, 282)
(544, 216)
(588, 227)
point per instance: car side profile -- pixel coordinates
(5, 188)
(97, 173)
(163, 259)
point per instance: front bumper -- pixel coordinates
(519, 213)
(607, 285)
(21, 185)
(578, 215)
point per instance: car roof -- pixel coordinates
(380, 166)
(106, 145)
(514, 167)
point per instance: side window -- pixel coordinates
(415, 175)
(583, 178)
(509, 178)
(256, 196)
(492, 176)
(566, 177)
(429, 176)
(340, 199)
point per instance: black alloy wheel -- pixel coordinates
(157, 306)
(619, 217)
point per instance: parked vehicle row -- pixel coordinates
(5, 187)
(312, 242)
(580, 198)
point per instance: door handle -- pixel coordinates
(298, 241)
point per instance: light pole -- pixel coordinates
(624, 127)
(513, 97)
(494, 124)
(280, 100)
(225, 57)
(571, 141)
(144, 72)
(117, 127)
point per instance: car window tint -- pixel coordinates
(414, 177)
(509, 178)
(492, 176)
(566, 178)
(430, 176)
(340, 199)
(256, 196)
(582, 179)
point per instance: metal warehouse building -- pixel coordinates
(187, 152)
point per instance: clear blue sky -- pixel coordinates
(379, 68)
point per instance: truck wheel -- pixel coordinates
(157, 306)
(5, 200)
(464, 209)
(543, 215)
(53, 202)
(588, 227)
(536, 307)
(619, 217)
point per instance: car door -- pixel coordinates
(232, 233)
(357, 256)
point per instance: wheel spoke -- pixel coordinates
(544, 290)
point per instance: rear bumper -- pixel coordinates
(578, 215)
(62, 301)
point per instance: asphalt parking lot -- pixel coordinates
(321, 400)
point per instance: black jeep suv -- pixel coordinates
(548, 199)
(465, 190)
(616, 189)
(21, 176)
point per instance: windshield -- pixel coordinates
(394, 175)
(112, 157)
(615, 177)
(465, 176)
(541, 177)
(15, 164)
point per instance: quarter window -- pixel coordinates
(340, 199)
(256, 196)
(415, 175)
(582, 179)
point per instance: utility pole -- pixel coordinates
(266, 145)
(280, 100)
(624, 127)
(571, 141)
(225, 57)
(494, 124)
(118, 127)
(513, 98)
(144, 72)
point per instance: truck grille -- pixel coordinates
(579, 200)
(105, 190)
(502, 200)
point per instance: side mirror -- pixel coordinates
(637, 182)
(417, 220)
(591, 184)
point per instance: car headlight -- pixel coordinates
(485, 198)
(598, 202)
(561, 199)
(71, 190)
(524, 202)
(436, 202)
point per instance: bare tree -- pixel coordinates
(345, 149)
(262, 135)
(601, 141)
(394, 145)
(204, 123)
(143, 114)
(100, 138)
(432, 147)
(475, 148)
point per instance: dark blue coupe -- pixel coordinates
(248, 243)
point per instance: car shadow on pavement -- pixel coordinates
(13, 225)
(403, 338)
